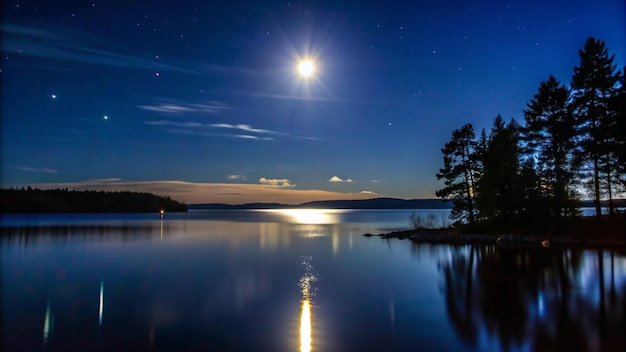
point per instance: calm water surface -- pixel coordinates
(304, 280)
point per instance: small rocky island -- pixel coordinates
(29, 200)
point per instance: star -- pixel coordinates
(53, 96)
(106, 117)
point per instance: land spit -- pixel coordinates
(449, 236)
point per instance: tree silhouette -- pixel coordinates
(71, 201)
(617, 130)
(549, 134)
(594, 85)
(460, 173)
(498, 196)
(524, 178)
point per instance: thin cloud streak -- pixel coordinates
(284, 96)
(103, 180)
(191, 128)
(173, 123)
(64, 44)
(36, 169)
(243, 127)
(172, 107)
(60, 43)
(228, 193)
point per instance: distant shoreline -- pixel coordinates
(37, 201)
(372, 204)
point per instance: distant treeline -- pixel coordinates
(29, 200)
(527, 177)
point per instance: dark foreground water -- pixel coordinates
(302, 280)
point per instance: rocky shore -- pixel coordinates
(449, 236)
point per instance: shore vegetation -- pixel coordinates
(529, 177)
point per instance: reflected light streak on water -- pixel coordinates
(47, 324)
(541, 305)
(335, 243)
(307, 290)
(101, 303)
(308, 216)
(305, 326)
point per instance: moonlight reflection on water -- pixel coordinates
(307, 216)
(306, 283)
(263, 280)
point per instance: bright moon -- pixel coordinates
(306, 68)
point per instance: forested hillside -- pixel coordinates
(28, 200)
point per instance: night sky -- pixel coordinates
(203, 101)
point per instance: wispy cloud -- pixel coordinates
(338, 179)
(173, 107)
(105, 180)
(242, 127)
(36, 169)
(307, 138)
(304, 97)
(204, 129)
(279, 182)
(247, 136)
(174, 123)
(72, 45)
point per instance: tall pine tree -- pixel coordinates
(548, 135)
(617, 106)
(498, 197)
(594, 85)
(459, 173)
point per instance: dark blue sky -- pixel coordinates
(202, 100)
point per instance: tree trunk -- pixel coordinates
(608, 180)
(596, 184)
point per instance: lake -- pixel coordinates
(293, 280)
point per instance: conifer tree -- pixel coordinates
(594, 85)
(460, 173)
(617, 107)
(548, 135)
(499, 193)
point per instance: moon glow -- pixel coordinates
(306, 68)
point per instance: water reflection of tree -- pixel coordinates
(531, 298)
